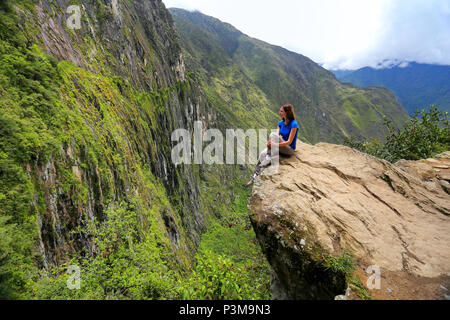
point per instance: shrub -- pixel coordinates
(126, 264)
(217, 278)
(230, 264)
(423, 136)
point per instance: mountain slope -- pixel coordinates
(417, 86)
(327, 109)
(229, 89)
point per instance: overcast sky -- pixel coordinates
(341, 34)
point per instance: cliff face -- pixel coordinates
(328, 202)
(87, 116)
(133, 39)
(136, 41)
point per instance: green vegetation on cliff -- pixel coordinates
(70, 143)
(86, 178)
(28, 112)
(128, 263)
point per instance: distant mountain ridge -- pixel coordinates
(240, 72)
(416, 85)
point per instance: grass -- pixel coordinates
(346, 264)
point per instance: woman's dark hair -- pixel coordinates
(289, 110)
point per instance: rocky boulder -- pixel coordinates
(328, 200)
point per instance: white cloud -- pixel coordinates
(344, 34)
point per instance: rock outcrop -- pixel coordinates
(329, 199)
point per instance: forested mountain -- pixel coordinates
(417, 86)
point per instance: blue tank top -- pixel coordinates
(285, 132)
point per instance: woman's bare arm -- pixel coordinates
(291, 138)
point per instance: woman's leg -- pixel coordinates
(263, 155)
(285, 150)
(264, 161)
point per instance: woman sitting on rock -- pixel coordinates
(285, 139)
